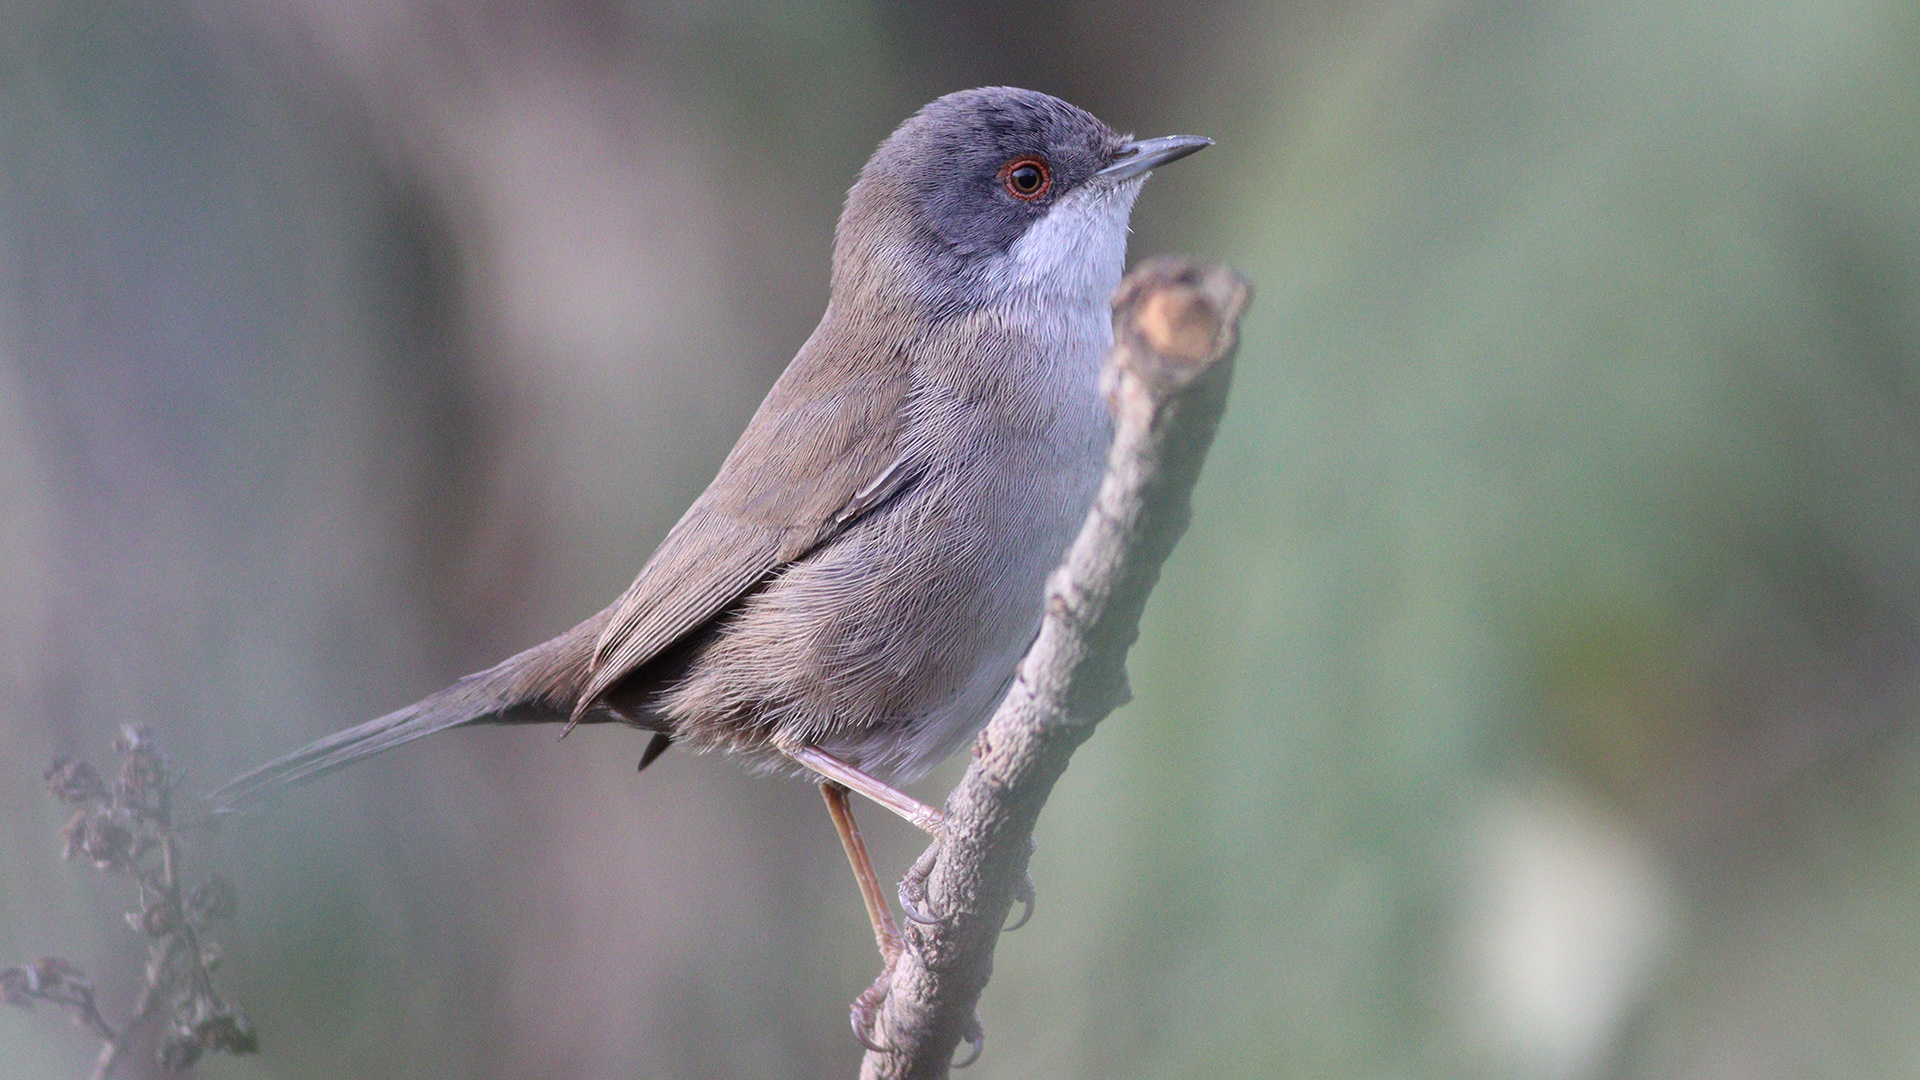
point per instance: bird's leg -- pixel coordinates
(916, 813)
(886, 932)
(839, 778)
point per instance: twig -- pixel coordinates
(118, 827)
(1175, 330)
(116, 1046)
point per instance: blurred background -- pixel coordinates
(1535, 694)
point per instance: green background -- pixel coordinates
(1533, 696)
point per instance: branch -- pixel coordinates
(1175, 330)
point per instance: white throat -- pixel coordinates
(1076, 253)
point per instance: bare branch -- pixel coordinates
(1175, 330)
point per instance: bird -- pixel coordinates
(848, 598)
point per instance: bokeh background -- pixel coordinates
(1535, 694)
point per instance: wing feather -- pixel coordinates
(823, 450)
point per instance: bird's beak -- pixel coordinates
(1141, 155)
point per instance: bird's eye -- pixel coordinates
(1026, 178)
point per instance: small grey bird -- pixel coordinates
(852, 592)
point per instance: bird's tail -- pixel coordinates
(535, 686)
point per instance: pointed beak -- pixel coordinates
(1141, 155)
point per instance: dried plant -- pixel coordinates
(127, 828)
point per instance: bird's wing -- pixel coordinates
(823, 449)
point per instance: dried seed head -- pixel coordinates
(180, 1050)
(16, 987)
(75, 782)
(108, 845)
(160, 919)
(213, 899)
(228, 1032)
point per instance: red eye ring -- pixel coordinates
(1026, 178)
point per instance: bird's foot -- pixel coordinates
(865, 1015)
(1023, 892)
(913, 888)
(913, 893)
(865, 1018)
(976, 1037)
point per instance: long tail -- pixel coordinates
(535, 686)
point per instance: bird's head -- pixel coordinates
(995, 195)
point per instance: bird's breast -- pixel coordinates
(891, 643)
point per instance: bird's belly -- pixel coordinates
(1009, 605)
(891, 645)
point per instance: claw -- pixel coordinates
(976, 1037)
(913, 913)
(1022, 892)
(866, 1010)
(915, 883)
(860, 1026)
